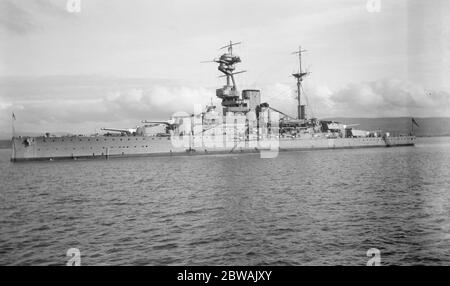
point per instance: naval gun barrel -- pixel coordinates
(276, 110)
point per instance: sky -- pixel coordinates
(114, 63)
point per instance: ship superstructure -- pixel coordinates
(242, 124)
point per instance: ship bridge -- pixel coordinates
(232, 100)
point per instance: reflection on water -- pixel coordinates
(302, 208)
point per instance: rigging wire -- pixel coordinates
(272, 69)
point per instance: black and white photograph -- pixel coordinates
(250, 133)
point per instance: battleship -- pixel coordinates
(242, 124)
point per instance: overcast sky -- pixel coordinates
(117, 62)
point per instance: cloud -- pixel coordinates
(5, 105)
(159, 102)
(81, 104)
(389, 98)
(155, 102)
(380, 98)
(14, 19)
(23, 17)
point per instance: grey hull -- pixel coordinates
(88, 148)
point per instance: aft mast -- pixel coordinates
(301, 114)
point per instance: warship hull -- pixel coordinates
(104, 147)
(243, 124)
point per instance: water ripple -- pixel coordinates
(302, 208)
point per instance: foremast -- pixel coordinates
(231, 100)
